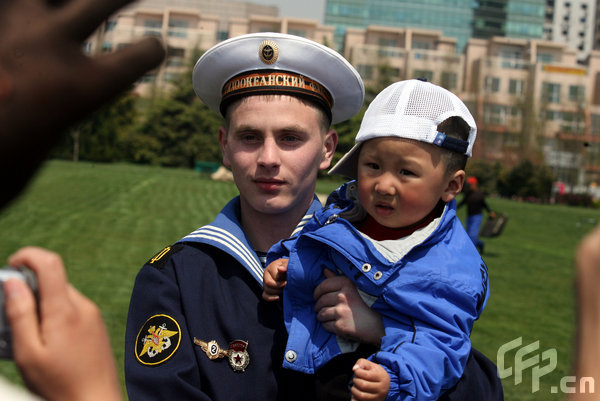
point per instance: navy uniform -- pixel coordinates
(199, 302)
(198, 328)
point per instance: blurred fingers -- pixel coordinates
(22, 316)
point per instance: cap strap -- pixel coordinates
(453, 144)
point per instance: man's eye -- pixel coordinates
(249, 137)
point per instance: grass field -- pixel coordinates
(107, 220)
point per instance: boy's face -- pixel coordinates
(400, 181)
(275, 147)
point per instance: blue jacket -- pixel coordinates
(206, 287)
(429, 288)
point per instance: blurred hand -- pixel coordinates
(341, 310)
(65, 353)
(47, 83)
(371, 381)
(588, 312)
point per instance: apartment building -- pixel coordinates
(532, 99)
(405, 53)
(189, 26)
(571, 22)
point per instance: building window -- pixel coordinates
(428, 75)
(107, 47)
(178, 28)
(516, 86)
(175, 52)
(153, 27)
(449, 80)
(492, 85)
(576, 93)
(387, 42)
(494, 114)
(110, 25)
(545, 58)
(297, 32)
(550, 92)
(148, 78)
(421, 44)
(365, 71)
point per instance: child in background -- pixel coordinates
(395, 234)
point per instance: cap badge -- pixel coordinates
(237, 353)
(268, 51)
(157, 340)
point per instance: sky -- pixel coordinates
(313, 9)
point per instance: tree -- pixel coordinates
(99, 137)
(178, 128)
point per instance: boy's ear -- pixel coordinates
(454, 185)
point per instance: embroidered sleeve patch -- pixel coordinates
(161, 258)
(157, 340)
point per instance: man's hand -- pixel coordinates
(341, 310)
(64, 353)
(48, 83)
(274, 279)
(371, 382)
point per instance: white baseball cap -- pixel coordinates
(267, 63)
(410, 109)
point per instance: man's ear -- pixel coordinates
(223, 143)
(454, 185)
(329, 144)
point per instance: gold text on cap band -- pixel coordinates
(269, 82)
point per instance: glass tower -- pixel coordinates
(454, 18)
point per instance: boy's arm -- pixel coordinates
(426, 350)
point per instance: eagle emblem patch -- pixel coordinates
(157, 340)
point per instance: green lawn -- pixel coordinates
(107, 220)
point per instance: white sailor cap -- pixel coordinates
(271, 63)
(410, 109)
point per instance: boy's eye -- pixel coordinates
(406, 172)
(373, 166)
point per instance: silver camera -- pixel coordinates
(28, 276)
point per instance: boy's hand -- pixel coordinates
(341, 310)
(274, 279)
(371, 382)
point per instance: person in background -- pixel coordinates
(474, 198)
(47, 83)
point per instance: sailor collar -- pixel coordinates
(226, 234)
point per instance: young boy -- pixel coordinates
(395, 234)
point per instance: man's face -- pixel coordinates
(275, 146)
(400, 181)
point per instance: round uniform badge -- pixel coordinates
(157, 340)
(268, 51)
(238, 355)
